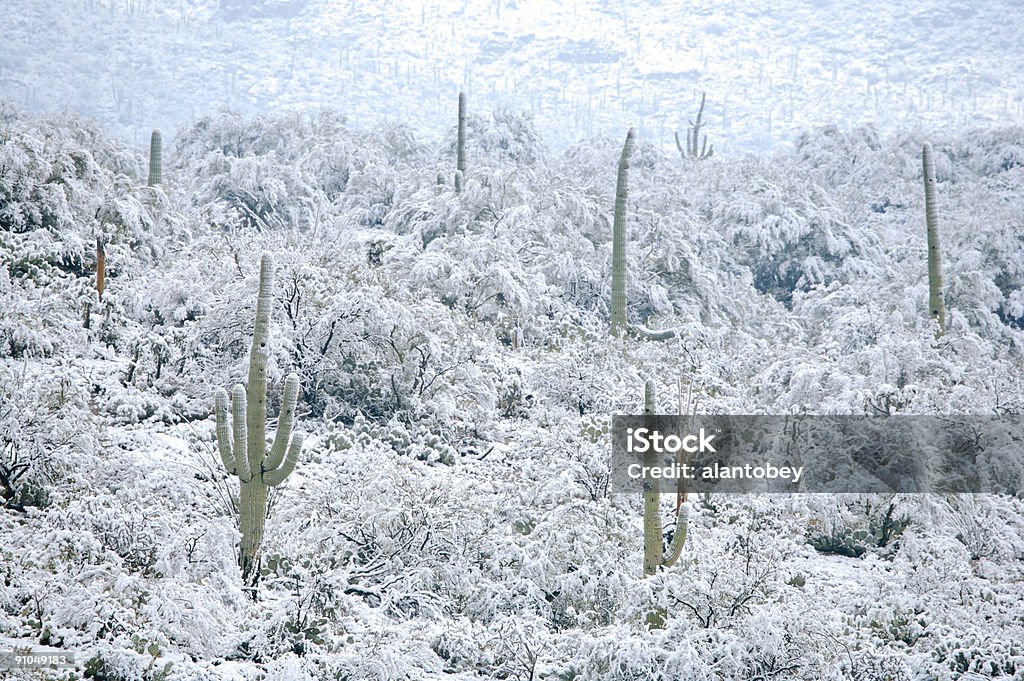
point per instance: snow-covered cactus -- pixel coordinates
(242, 430)
(693, 149)
(936, 302)
(155, 159)
(619, 237)
(619, 326)
(460, 163)
(654, 548)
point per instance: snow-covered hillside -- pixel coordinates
(450, 515)
(584, 67)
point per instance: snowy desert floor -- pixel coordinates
(450, 516)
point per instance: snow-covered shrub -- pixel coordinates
(850, 525)
(506, 136)
(788, 231)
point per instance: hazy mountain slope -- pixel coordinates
(583, 68)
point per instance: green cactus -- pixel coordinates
(619, 237)
(155, 159)
(936, 302)
(460, 163)
(692, 149)
(654, 548)
(241, 434)
(619, 325)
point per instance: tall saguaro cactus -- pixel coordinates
(654, 548)
(460, 161)
(619, 325)
(936, 302)
(155, 159)
(619, 237)
(242, 433)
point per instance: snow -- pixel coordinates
(451, 514)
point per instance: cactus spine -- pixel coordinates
(242, 429)
(155, 159)
(654, 551)
(936, 303)
(619, 237)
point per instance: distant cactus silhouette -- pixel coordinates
(692, 150)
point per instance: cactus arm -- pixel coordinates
(273, 478)
(643, 333)
(618, 302)
(679, 146)
(284, 424)
(936, 303)
(222, 408)
(675, 550)
(241, 466)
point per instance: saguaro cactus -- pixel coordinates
(693, 150)
(242, 429)
(619, 325)
(619, 237)
(936, 302)
(155, 159)
(460, 162)
(654, 548)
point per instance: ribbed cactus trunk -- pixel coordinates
(652, 521)
(460, 163)
(243, 443)
(936, 302)
(654, 546)
(618, 304)
(155, 159)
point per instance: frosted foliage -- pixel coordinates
(452, 515)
